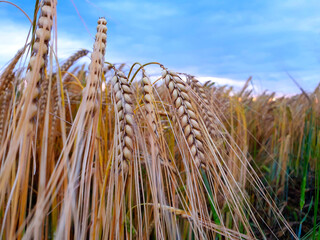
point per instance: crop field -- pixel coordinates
(105, 151)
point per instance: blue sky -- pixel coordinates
(226, 41)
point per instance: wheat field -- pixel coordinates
(104, 151)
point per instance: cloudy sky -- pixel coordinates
(226, 41)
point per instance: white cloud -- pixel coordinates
(222, 81)
(13, 37)
(143, 10)
(67, 45)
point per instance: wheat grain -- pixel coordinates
(186, 115)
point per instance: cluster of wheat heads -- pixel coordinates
(102, 154)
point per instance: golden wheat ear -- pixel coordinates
(123, 99)
(149, 103)
(7, 76)
(186, 116)
(6, 87)
(5, 106)
(45, 85)
(55, 93)
(38, 61)
(202, 100)
(153, 121)
(72, 59)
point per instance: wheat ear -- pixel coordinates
(55, 91)
(7, 75)
(6, 81)
(40, 51)
(44, 87)
(186, 116)
(204, 104)
(5, 98)
(151, 114)
(149, 101)
(96, 66)
(72, 59)
(122, 94)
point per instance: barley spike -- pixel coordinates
(185, 115)
(122, 95)
(203, 103)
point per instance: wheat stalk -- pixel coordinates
(186, 115)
